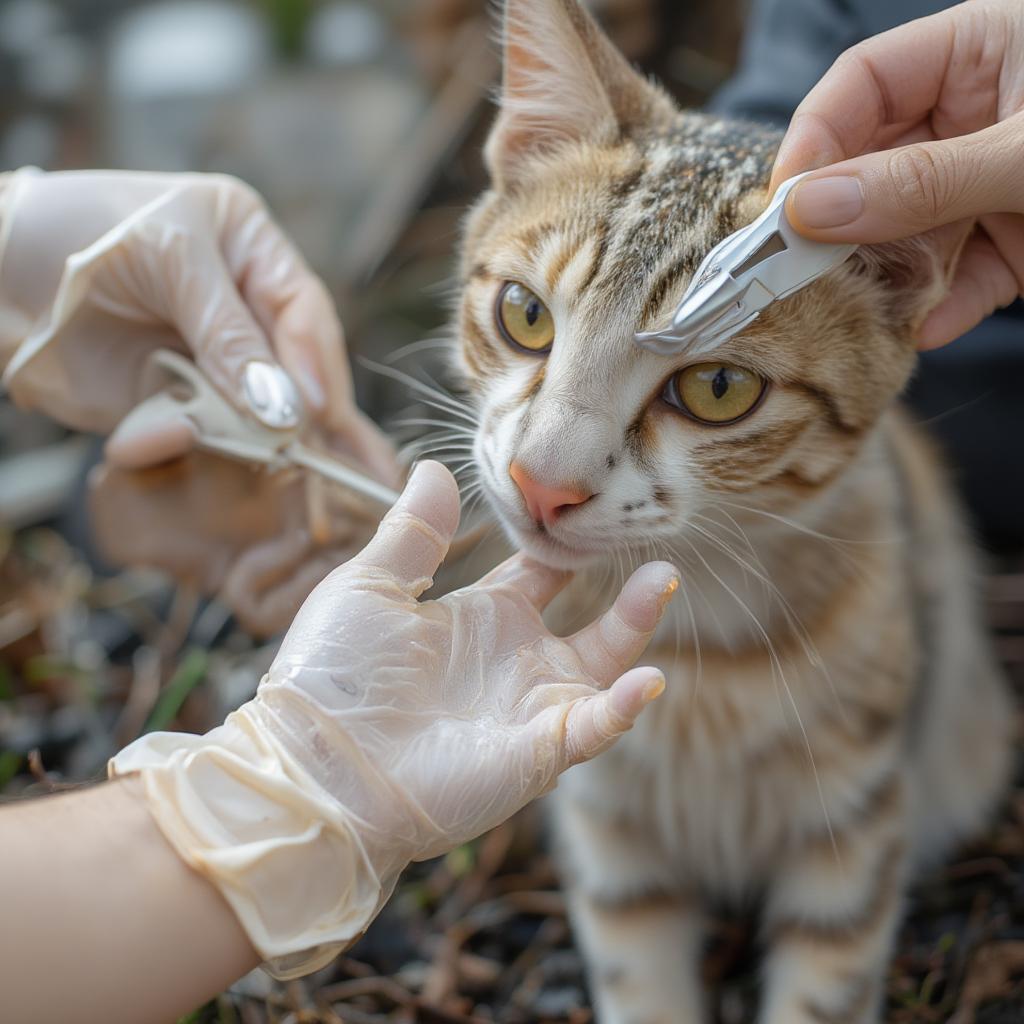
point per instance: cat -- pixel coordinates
(834, 715)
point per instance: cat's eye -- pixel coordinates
(714, 392)
(524, 321)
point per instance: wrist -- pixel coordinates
(240, 812)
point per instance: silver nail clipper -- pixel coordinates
(742, 275)
(177, 387)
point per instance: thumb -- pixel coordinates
(595, 723)
(414, 536)
(901, 192)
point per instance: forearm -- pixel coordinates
(102, 920)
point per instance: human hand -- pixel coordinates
(257, 541)
(467, 706)
(390, 729)
(101, 268)
(932, 115)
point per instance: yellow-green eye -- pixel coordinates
(714, 392)
(523, 319)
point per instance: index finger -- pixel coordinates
(289, 301)
(895, 78)
(414, 536)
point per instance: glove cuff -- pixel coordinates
(283, 854)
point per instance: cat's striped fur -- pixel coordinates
(833, 713)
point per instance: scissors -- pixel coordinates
(742, 275)
(176, 386)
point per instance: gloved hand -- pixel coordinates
(390, 730)
(99, 268)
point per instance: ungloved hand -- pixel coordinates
(100, 268)
(391, 729)
(257, 541)
(928, 121)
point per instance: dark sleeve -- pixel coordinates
(968, 392)
(787, 46)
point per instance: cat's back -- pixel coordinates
(959, 723)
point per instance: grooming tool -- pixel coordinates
(742, 275)
(178, 387)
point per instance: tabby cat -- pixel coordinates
(834, 715)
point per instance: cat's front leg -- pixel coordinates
(641, 935)
(830, 919)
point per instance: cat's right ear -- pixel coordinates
(563, 82)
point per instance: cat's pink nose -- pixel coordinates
(544, 502)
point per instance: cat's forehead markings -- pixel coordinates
(558, 254)
(684, 202)
(576, 264)
(531, 237)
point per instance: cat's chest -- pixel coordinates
(726, 771)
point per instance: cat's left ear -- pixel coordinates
(563, 82)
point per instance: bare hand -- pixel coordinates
(932, 115)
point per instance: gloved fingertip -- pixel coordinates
(309, 384)
(136, 446)
(433, 495)
(299, 359)
(646, 594)
(632, 692)
(271, 395)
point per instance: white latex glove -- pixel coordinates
(99, 268)
(390, 730)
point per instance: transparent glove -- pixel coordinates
(390, 730)
(99, 268)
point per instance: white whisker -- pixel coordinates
(419, 346)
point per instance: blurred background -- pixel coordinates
(361, 123)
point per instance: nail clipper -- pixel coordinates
(742, 275)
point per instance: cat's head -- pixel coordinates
(604, 199)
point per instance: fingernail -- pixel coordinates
(272, 395)
(827, 202)
(654, 689)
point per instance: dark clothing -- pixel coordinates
(970, 392)
(790, 44)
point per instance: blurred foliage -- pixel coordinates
(288, 20)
